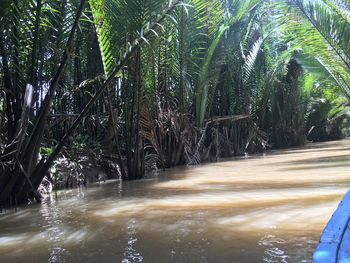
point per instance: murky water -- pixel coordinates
(269, 208)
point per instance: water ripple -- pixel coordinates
(273, 254)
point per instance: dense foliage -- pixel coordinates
(159, 83)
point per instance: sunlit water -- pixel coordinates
(269, 208)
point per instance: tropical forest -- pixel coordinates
(175, 131)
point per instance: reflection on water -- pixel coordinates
(268, 208)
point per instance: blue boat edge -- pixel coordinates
(334, 242)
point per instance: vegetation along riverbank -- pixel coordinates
(135, 86)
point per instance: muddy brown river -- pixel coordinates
(267, 208)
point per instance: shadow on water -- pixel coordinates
(320, 160)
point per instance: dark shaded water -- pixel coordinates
(271, 208)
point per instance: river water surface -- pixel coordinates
(268, 208)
